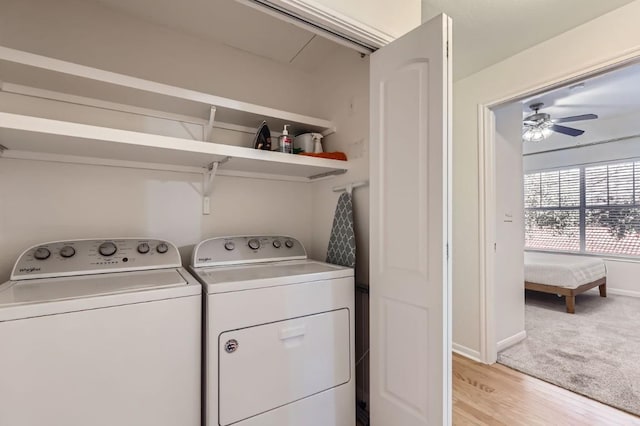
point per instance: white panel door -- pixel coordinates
(410, 229)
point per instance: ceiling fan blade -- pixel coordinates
(575, 118)
(569, 131)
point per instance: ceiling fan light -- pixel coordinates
(537, 132)
(532, 135)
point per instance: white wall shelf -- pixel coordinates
(36, 138)
(42, 74)
(23, 136)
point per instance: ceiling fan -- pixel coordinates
(540, 125)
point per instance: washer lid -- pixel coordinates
(223, 279)
(47, 296)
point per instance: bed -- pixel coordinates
(563, 275)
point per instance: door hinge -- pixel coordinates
(447, 250)
(447, 48)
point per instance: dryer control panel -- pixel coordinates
(246, 249)
(83, 257)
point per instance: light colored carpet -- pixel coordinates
(595, 352)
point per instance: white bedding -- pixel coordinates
(563, 271)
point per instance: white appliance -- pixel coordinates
(279, 335)
(100, 332)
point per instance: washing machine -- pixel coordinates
(279, 334)
(100, 332)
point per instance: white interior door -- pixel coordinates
(410, 88)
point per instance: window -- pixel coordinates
(589, 209)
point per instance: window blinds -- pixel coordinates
(590, 209)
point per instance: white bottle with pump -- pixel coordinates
(285, 142)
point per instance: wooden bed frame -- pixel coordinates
(569, 293)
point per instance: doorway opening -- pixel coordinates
(565, 227)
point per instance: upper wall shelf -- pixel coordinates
(28, 137)
(21, 71)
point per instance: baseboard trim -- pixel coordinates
(620, 292)
(511, 340)
(466, 352)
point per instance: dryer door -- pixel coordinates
(267, 366)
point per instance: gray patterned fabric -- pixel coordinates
(342, 243)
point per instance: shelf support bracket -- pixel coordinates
(208, 128)
(207, 184)
(327, 174)
(2, 149)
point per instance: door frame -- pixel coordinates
(487, 186)
(326, 22)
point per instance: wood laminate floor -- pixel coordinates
(497, 395)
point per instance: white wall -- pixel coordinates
(86, 33)
(509, 254)
(611, 36)
(344, 96)
(42, 201)
(622, 277)
(613, 151)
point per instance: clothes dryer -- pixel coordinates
(279, 334)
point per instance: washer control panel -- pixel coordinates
(247, 249)
(82, 257)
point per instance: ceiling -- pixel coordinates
(233, 24)
(614, 97)
(488, 31)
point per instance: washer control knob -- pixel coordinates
(42, 253)
(67, 251)
(162, 248)
(143, 248)
(254, 244)
(229, 245)
(288, 243)
(277, 243)
(107, 249)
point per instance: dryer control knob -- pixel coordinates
(143, 248)
(42, 253)
(288, 243)
(162, 248)
(107, 249)
(67, 251)
(254, 244)
(229, 245)
(277, 243)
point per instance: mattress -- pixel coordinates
(562, 271)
